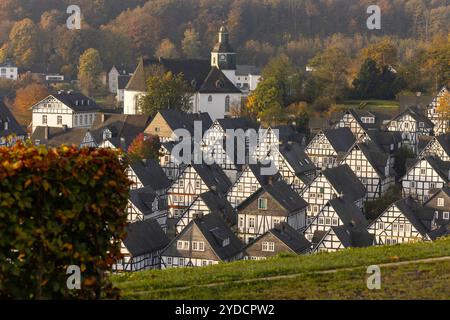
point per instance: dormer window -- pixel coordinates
(210, 98)
(225, 242)
(262, 204)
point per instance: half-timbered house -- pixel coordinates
(403, 221)
(438, 146)
(148, 173)
(142, 246)
(439, 203)
(193, 181)
(360, 122)
(328, 146)
(441, 124)
(273, 203)
(425, 177)
(144, 204)
(372, 166)
(282, 238)
(336, 212)
(205, 241)
(332, 183)
(412, 124)
(57, 136)
(344, 236)
(10, 130)
(204, 204)
(172, 163)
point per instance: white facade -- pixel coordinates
(130, 101)
(8, 71)
(218, 105)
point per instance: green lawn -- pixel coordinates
(222, 281)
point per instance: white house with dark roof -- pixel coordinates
(438, 146)
(344, 236)
(8, 70)
(441, 125)
(425, 177)
(65, 109)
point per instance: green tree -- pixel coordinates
(365, 84)
(191, 43)
(24, 43)
(266, 102)
(165, 90)
(90, 67)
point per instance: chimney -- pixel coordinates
(46, 131)
(6, 125)
(270, 180)
(102, 117)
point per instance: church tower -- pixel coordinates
(223, 55)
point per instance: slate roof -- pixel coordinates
(288, 133)
(76, 101)
(350, 214)
(384, 139)
(417, 115)
(444, 141)
(58, 136)
(219, 204)
(215, 231)
(176, 119)
(441, 167)
(121, 126)
(213, 176)
(290, 237)
(353, 237)
(145, 237)
(142, 199)
(420, 101)
(245, 70)
(13, 126)
(377, 158)
(237, 123)
(415, 213)
(295, 155)
(122, 81)
(282, 193)
(194, 71)
(341, 139)
(217, 82)
(345, 182)
(151, 174)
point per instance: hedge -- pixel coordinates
(59, 207)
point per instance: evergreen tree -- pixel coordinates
(365, 84)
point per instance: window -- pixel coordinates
(407, 228)
(315, 209)
(44, 119)
(76, 120)
(276, 221)
(90, 118)
(401, 227)
(86, 119)
(268, 246)
(422, 171)
(169, 261)
(197, 184)
(198, 246)
(446, 215)
(59, 120)
(380, 225)
(210, 99)
(440, 202)
(262, 204)
(327, 221)
(251, 222)
(204, 263)
(253, 188)
(432, 185)
(241, 222)
(182, 245)
(334, 222)
(227, 104)
(395, 226)
(312, 195)
(181, 184)
(413, 184)
(181, 262)
(322, 190)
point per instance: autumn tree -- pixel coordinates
(90, 67)
(25, 98)
(383, 52)
(167, 49)
(443, 106)
(266, 102)
(144, 147)
(24, 43)
(165, 90)
(191, 43)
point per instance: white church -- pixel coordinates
(219, 84)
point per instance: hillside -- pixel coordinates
(409, 271)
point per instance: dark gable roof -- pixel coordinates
(58, 136)
(219, 204)
(290, 237)
(417, 115)
(384, 139)
(145, 237)
(176, 119)
(353, 237)
(194, 71)
(415, 213)
(245, 70)
(237, 123)
(13, 126)
(412, 100)
(121, 126)
(151, 174)
(350, 214)
(295, 155)
(444, 141)
(213, 176)
(288, 133)
(262, 179)
(440, 166)
(341, 139)
(282, 193)
(217, 82)
(215, 231)
(122, 81)
(143, 199)
(77, 101)
(345, 182)
(377, 158)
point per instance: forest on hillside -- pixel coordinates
(260, 29)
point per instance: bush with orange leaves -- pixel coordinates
(59, 207)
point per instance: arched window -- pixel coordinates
(227, 104)
(210, 99)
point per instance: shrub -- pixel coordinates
(59, 207)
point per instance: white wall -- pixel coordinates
(8, 73)
(130, 99)
(215, 108)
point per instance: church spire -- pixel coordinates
(223, 55)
